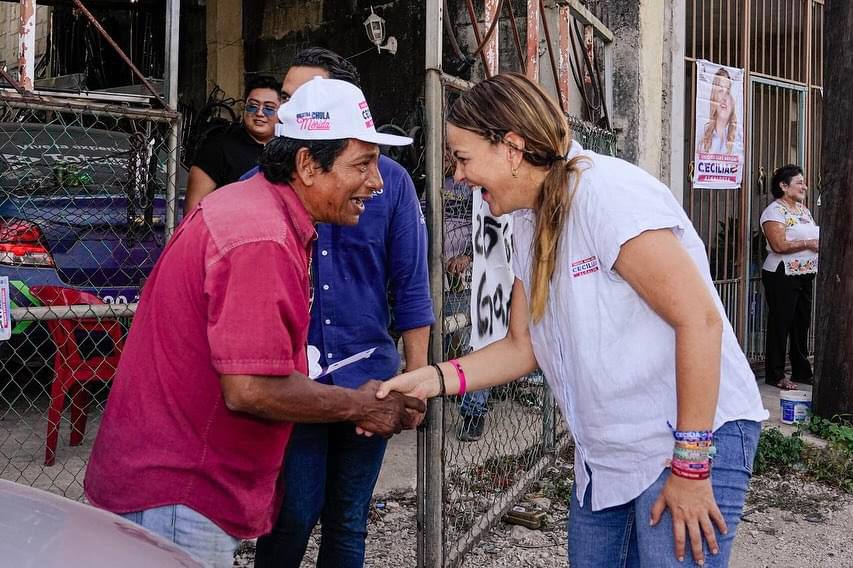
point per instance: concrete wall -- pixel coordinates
(648, 85)
(276, 29)
(224, 31)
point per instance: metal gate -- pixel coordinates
(778, 44)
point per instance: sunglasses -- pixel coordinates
(252, 108)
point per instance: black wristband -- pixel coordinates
(442, 387)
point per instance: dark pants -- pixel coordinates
(329, 475)
(789, 299)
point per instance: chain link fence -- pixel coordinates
(496, 442)
(87, 190)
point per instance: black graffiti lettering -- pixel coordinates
(478, 234)
(484, 310)
(492, 232)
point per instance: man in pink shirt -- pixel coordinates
(214, 371)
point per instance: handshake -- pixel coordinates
(388, 415)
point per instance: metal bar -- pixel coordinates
(79, 311)
(173, 22)
(784, 83)
(564, 57)
(516, 37)
(39, 102)
(11, 80)
(532, 64)
(432, 489)
(491, 20)
(455, 82)
(136, 72)
(550, 50)
(472, 15)
(740, 324)
(501, 505)
(582, 14)
(173, 28)
(27, 44)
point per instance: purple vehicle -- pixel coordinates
(42, 530)
(80, 208)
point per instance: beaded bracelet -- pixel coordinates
(442, 387)
(461, 374)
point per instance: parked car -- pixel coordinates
(80, 208)
(42, 530)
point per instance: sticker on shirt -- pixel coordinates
(584, 266)
(315, 370)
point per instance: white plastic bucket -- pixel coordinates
(795, 406)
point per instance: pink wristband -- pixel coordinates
(461, 374)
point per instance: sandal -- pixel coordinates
(785, 384)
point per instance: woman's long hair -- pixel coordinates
(510, 102)
(723, 81)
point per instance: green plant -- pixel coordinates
(831, 464)
(837, 430)
(776, 451)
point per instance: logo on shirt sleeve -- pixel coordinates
(584, 266)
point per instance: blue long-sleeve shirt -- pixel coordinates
(355, 268)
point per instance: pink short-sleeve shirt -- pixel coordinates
(229, 295)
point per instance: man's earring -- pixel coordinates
(514, 172)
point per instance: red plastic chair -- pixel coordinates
(70, 366)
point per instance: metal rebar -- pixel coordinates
(136, 72)
(472, 15)
(11, 80)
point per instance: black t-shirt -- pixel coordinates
(227, 156)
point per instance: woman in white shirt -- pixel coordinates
(788, 277)
(613, 299)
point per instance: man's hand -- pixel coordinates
(694, 514)
(458, 264)
(388, 415)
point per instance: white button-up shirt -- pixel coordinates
(608, 357)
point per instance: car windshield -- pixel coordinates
(62, 160)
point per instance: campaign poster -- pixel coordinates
(719, 155)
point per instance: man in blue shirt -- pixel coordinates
(330, 471)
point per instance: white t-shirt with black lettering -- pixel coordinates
(608, 357)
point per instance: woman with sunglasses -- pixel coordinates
(227, 156)
(613, 300)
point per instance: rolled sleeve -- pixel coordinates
(257, 297)
(408, 259)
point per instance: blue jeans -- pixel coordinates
(190, 530)
(474, 403)
(621, 536)
(329, 475)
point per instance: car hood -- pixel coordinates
(39, 529)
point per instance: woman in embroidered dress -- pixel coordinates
(613, 300)
(788, 277)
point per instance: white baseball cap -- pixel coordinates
(329, 109)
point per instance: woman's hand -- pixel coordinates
(421, 383)
(694, 513)
(813, 245)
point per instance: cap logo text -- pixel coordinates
(314, 120)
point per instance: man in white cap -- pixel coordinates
(214, 372)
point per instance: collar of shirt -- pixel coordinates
(302, 221)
